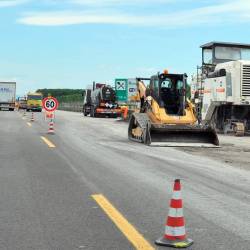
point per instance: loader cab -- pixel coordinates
(214, 53)
(169, 92)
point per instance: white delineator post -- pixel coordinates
(51, 127)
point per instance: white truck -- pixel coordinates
(7, 95)
(223, 88)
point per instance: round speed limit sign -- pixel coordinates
(50, 104)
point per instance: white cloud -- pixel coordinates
(69, 18)
(9, 3)
(119, 2)
(227, 12)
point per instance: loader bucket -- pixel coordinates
(183, 136)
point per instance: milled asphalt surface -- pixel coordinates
(45, 194)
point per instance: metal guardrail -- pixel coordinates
(71, 106)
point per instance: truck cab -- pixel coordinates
(22, 103)
(34, 102)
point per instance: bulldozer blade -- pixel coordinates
(183, 136)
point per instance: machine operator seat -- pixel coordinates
(168, 99)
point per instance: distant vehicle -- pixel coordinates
(34, 102)
(22, 103)
(101, 101)
(7, 95)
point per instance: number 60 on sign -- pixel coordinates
(50, 104)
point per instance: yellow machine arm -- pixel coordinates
(141, 89)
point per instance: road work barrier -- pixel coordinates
(71, 106)
(175, 232)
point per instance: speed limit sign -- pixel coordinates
(50, 104)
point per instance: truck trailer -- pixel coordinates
(101, 101)
(7, 95)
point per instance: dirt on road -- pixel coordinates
(234, 151)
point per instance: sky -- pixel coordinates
(71, 43)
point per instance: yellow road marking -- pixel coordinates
(48, 142)
(180, 244)
(121, 222)
(29, 124)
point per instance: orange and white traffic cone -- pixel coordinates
(32, 117)
(51, 127)
(175, 232)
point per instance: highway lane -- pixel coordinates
(96, 154)
(44, 205)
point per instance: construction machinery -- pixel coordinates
(221, 89)
(167, 117)
(101, 101)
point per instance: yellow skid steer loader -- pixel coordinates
(167, 117)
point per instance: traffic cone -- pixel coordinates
(125, 114)
(175, 233)
(51, 127)
(32, 117)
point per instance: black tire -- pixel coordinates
(84, 112)
(92, 112)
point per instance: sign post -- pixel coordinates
(121, 89)
(50, 104)
(132, 89)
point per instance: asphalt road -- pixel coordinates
(46, 193)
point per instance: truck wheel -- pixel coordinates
(92, 112)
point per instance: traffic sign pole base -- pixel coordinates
(174, 243)
(51, 128)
